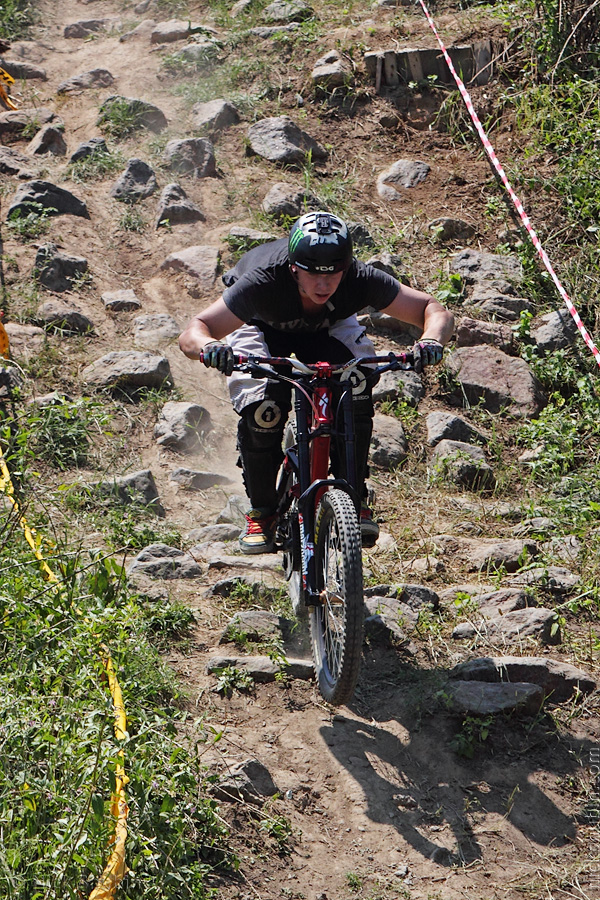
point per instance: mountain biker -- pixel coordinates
(300, 295)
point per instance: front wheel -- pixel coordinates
(336, 623)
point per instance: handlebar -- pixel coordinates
(391, 361)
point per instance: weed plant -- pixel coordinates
(32, 225)
(15, 18)
(99, 164)
(58, 750)
(63, 433)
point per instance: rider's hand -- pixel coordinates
(217, 355)
(427, 353)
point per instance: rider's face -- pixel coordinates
(317, 287)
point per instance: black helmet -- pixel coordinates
(320, 242)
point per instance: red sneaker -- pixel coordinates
(259, 532)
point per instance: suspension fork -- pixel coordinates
(349, 438)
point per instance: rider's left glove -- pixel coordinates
(427, 353)
(217, 355)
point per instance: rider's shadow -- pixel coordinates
(411, 778)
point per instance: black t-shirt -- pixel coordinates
(261, 290)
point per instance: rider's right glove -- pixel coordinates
(427, 353)
(217, 355)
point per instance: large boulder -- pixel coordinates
(65, 317)
(214, 115)
(400, 176)
(279, 139)
(284, 200)
(136, 182)
(500, 383)
(95, 78)
(49, 139)
(462, 464)
(35, 195)
(14, 122)
(488, 268)
(141, 113)
(57, 271)
(555, 331)
(558, 679)
(389, 447)
(191, 156)
(201, 262)
(128, 370)
(176, 208)
(181, 426)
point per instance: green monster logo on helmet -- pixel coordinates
(320, 242)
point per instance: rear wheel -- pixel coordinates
(337, 622)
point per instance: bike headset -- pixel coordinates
(320, 242)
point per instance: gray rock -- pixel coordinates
(410, 596)
(162, 561)
(390, 263)
(247, 782)
(472, 698)
(136, 182)
(250, 237)
(25, 340)
(503, 601)
(240, 7)
(471, 332)
(234, 511)
(553, 579)
(145, 114)
(14, 163)
(448, 229)
(21, 70)
(520, 623)
(284, 200)
(57, 201)
(198, 481)
(474, 266)
(269, 31)
(214, 115)
(558, 330)
(462, 464)
(395, 385)
(84, 28)
(191, 156)
(200, 52)
(175, 207)
(54, 398)
(95, 78)
(558, 680)
(14, 121)
(143, 30)
(379, 627)
(89, 148)
(49, 139)
(129, 370)
(508, 555)
(256, 625)
(201, 262)
(331, 71)
(566, 549)
(262, 562)
(404, 173)
(181, 426)
(361, 236)
(500, 306)
(153, 330)
(446, 426)
(262, 668)
(287, 11)
(63, 317)
(138, 487)
(279, 139)
(499, 382)
(57, 271)
(121, 301)
(168, 32)
(213, 533)
(389, 447)
(226, 586)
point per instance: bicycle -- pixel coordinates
(319, 515)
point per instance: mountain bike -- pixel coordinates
(318, 513)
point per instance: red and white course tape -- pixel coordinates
(518, 205)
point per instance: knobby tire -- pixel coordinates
(336, 625)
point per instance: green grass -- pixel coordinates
(32, 225)
(57, 745)
(15, 18)
(98, 165)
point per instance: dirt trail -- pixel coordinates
(379, 803)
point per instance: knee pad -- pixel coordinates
(261, 425)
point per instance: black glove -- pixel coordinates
(217, 355)
(427, 353)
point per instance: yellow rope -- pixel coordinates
(115, 869)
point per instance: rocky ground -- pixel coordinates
(465, 764)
